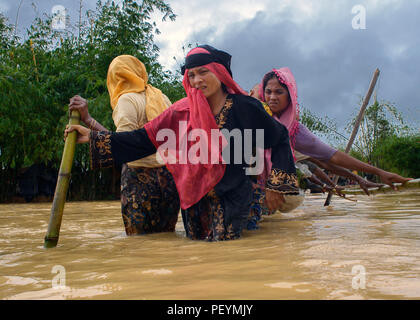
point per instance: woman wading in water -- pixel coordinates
(278, 91)
(149, 199)
(215, 195)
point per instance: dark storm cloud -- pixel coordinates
(333, 63)
(29, 10)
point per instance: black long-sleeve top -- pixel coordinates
(239, 112)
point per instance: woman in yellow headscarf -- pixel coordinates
(149, 199)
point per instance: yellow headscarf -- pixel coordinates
(128, 74)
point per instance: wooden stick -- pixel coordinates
(34, 59)
(51, 238)
(356, 125)
(17, 17)
(412, 184)
(344, 197)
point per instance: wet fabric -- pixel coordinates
(222, 213)
(224, 216)
(258, 208)
(149, 200)
(216, 218)
(240, 112)
(194, 113)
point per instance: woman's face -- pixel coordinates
(203, 79)
(276, 96)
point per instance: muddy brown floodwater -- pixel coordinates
(369, 249)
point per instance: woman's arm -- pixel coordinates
(343, 159)
(320, 178)
(309, 144)
(364, 184)
(107, 147)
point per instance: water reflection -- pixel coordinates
(310, 253)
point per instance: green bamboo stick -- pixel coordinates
(51, 238)
(412, 184)
(356, 126)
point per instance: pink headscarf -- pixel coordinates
(289, 117)
(194, 180)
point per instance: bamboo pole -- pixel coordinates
(356, 125)
(412, 184)
(34, 59)
(51, 238)
(17, 17)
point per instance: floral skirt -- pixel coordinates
(149, 200)
(217, 218)
(258, 208)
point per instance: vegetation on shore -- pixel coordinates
(40, 73)
(42, 70)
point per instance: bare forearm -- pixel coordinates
(321, 175)
(315, 180)
(337, 170)
(94, 125)
(344, 160)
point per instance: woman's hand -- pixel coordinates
(83, 135)
(273, 199)
(80, 104)
(389, 178)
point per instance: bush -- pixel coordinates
(400, 155)
(38, 76)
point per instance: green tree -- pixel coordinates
(322, 126)
(5, 30)
(40, 74)
(381, 121)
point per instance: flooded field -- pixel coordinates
(369, 249)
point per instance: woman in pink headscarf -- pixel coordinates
(278, 91)
(283, 103)
(193, 137)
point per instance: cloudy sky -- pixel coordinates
(327, 44)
